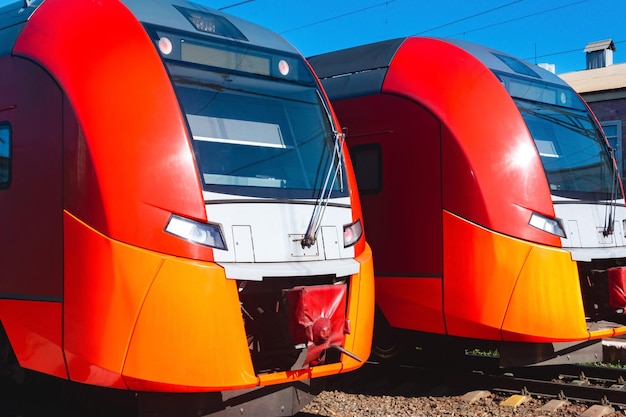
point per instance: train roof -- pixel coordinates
(367, 66)
(166, 13)
(12, 19)
(17, 12)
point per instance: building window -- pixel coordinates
(368, 167)
(613, 131)
(5, 155)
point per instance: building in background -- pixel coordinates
(603, 86)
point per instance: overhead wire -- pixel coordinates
(569, 51)
(469, 17)
(520, 18)
(235, 4)
(338, 16)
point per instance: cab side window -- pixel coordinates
(5, 155)
(367, 161)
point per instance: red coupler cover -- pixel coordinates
(617, 287)
(317, 317)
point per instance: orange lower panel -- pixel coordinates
(161, 321)
(500, 288)
(546, 305)
(34, 330)
(360, 313)
(189, 330)
(411, 303)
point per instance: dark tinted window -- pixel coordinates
(367, 163)
(5, 155)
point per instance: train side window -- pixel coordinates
(5, 155)
(367, 161)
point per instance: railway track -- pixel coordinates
(581, 383)
(602, 390)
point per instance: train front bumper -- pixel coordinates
(140, 320)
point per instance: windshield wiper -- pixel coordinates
(335, 170)
(609, 211)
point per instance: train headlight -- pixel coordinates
(207, 234)
(352, 233)
(547, 224)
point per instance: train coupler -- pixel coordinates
(317, 322)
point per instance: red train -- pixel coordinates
(492, 201)
(176, 209)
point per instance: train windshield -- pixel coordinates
(573, 151)
(259, 125)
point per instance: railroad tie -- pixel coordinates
(553, 405)
(473, 396)
(515, 400)
(598, 410)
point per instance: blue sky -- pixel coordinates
(552, 31)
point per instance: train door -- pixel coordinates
(31, 202)
(395, 149)
(31, 228)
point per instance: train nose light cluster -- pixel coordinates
(206, 234)
(165, 46)
(352, 233)
(283, 67)
(552, 226)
